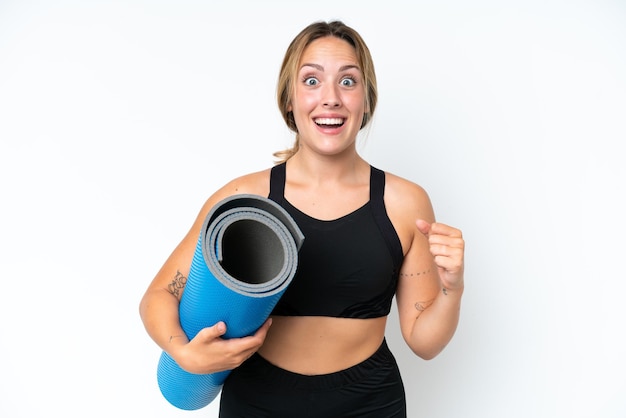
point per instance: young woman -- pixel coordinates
(369, 235)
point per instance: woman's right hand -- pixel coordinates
(209, 353)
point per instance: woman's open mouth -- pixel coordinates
(329, 122)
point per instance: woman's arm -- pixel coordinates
(431, 282)
(207, 352)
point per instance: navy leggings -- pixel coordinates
(370, 389)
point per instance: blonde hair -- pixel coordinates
(289, 69)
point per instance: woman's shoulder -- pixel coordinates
(256, 183)
(397, 186)
(403, 196)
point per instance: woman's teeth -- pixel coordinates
(329, 121)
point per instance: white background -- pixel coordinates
(119, 118)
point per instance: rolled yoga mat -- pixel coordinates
(246, 256)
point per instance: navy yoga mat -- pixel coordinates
(246, 256)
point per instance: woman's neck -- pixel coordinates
(319, 169)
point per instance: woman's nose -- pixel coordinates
(331, 97)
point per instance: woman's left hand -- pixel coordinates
(447, 247)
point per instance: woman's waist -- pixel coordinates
(321, 345)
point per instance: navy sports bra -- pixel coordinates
(347, 267)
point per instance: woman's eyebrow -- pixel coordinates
(320, 68)
(316, 66)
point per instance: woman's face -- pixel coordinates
(329, 96)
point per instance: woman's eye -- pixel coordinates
(310, 81)
(348, 82)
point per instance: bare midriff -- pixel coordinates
(313, 345)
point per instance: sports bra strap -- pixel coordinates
(377, 186)
(277, 183)
(377, 200)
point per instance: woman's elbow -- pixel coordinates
(427, 353)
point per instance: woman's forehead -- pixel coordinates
(328, 48)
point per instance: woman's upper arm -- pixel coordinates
(172, 275)
(418, 282)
